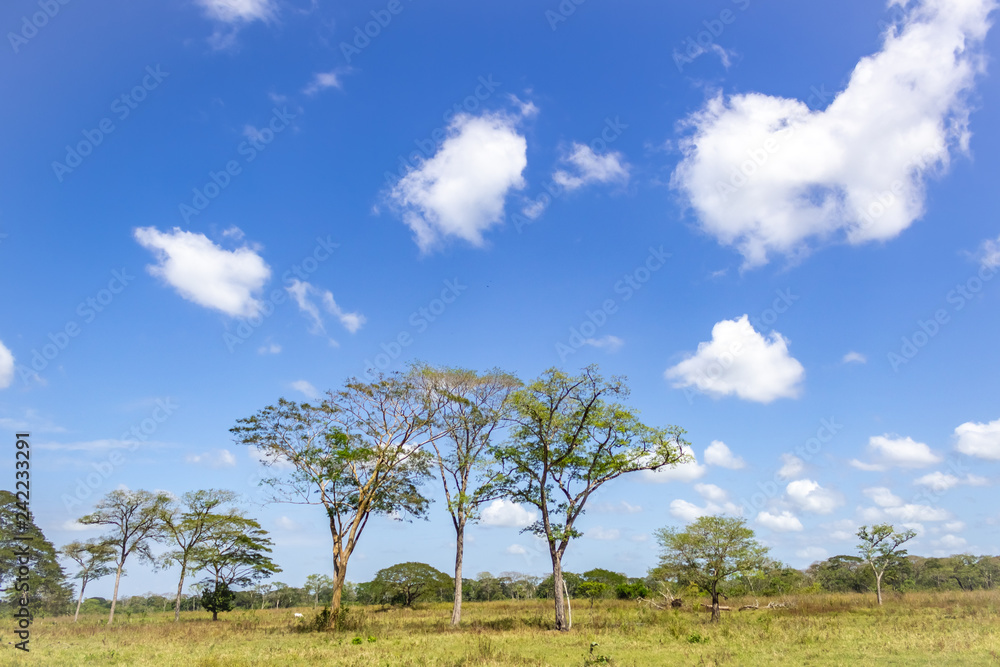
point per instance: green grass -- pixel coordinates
(916, 629)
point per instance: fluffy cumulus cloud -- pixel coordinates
(906, 512)
(781, 523)
(688, 511)
(202, 272)
(586, 167)
(942, 481)
(6, 366)
(305, 388)
(893, 450)
(769, 175)
(711, 492)
(609, 343)
(461, 190)
(982, 440)
(309, 299)
(791, 466)
(505, 513)
(809, 496)
(606, 534)
(684, 472)
(719, 454)
(740, 361)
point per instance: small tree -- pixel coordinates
(136, 520)
(217, 598)
(316, 583)
(570, 436)
(93, 558)
(879, 547)
(709, 551)
(407, 582)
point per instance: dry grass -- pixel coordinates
(916, 629)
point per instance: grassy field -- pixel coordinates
(916, 629)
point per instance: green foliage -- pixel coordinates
(49, 592)
(632, 591)
(218, 598)
(405, 583)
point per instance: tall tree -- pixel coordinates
(93, 559)
(135, 519)
(234, 553)
(189, 525)
(471, 408)
(570, 436)
(24, 545)
(709, 551)
(359, 452)
(879, 548)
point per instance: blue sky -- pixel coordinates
(780, 223)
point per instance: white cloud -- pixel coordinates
(942, 481)
(951, 542)
(989, 253)
(284, 523)
(589, 167)
(72, 526)
(792, 466)
(239, 11)
(623, 507)
(738, 360)
(768, 175)
(954, 526)
(503, 512)
(812, 553)
(809, 496)
(303, 294)
(609, 343)
(204, 273)
(322, 81)
(907, 512)
(711, 492)
(305, 388)
(220, 458)
(6, 366)
(687, 511)
(270, 348)
(867, 467)
(600, 533)
(461, 190)
(982, 440)
(719, 454)
(883, 497)
(904, 452)
(685, 472)
(854, 358)
(277, 462)
(782, 523)
(516, 550)
(844, 529)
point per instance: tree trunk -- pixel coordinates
(83, 585)
(180, 587)
(569, 606)
(114, 598)
(339, 575)
(456, 610)
(557, 590)
(716, 616)
(215, 615)
(878, 588)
